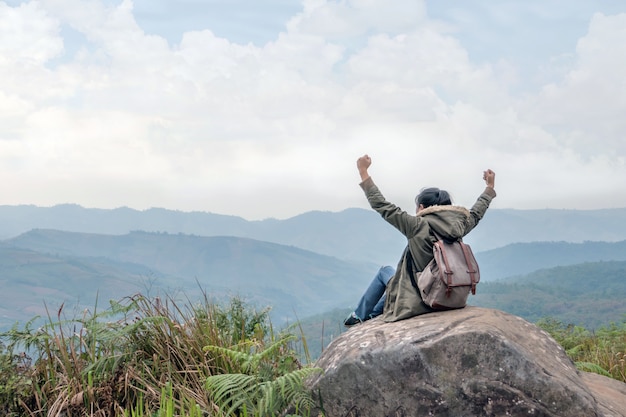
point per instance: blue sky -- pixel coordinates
(261, 108)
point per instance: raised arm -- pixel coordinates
(394, 215)
(482, 203)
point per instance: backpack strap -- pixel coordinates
(412, 266)
(470, 270)
(409, 259)
(438, 237)
(446, 270)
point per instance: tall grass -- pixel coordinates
(602, 351)
(140, 357)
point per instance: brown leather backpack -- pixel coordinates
(450, 276)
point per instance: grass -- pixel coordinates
(602, 351)
(150, 357)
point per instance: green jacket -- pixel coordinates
(450, 222)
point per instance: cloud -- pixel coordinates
(585, 109)
(350, 18)
(25, 42)
(273, 129)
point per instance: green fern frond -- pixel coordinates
(268, 353)
(232, 391)
(249, 362)
(244, 359)
(278, 394)
(276, 346)
(592, 367)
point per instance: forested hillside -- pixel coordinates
(33, 282)
(589, 294)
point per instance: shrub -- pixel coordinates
(601, 351)
(117, 362)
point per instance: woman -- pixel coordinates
(434, 214)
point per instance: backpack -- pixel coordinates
(449, 277)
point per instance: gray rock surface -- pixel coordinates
(462, 363)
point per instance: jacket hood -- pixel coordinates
(447, 221)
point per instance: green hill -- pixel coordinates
(32, 281)
(78, 266)
(589, 294)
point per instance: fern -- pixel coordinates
(286, 390)
(247, 360)
(233, 392)
(592, 367)
(252, 391)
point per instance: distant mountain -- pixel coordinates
(31, 282)
(75, 266)
(501, 227)
(352, 234)
(58, 266)
(523, 258)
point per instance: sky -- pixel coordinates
(260, 108)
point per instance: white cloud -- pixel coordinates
(585, 110)
(30, 36)
(350, 18)
(274, 130)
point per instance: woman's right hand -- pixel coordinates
(490, 178)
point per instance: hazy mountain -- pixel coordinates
(352, 234)
(53, 264)
(31, 282)
(58, 265)
(523, 258)
(306, 265)
(501, 227)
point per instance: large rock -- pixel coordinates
(461, 363)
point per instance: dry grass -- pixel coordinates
(118, 361)
(601, 351)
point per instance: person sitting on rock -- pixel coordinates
(391, 292)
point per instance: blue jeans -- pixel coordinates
(373, 300)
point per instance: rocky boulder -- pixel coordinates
(469, 362)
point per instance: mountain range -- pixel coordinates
(352, 234)
(303, 266)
